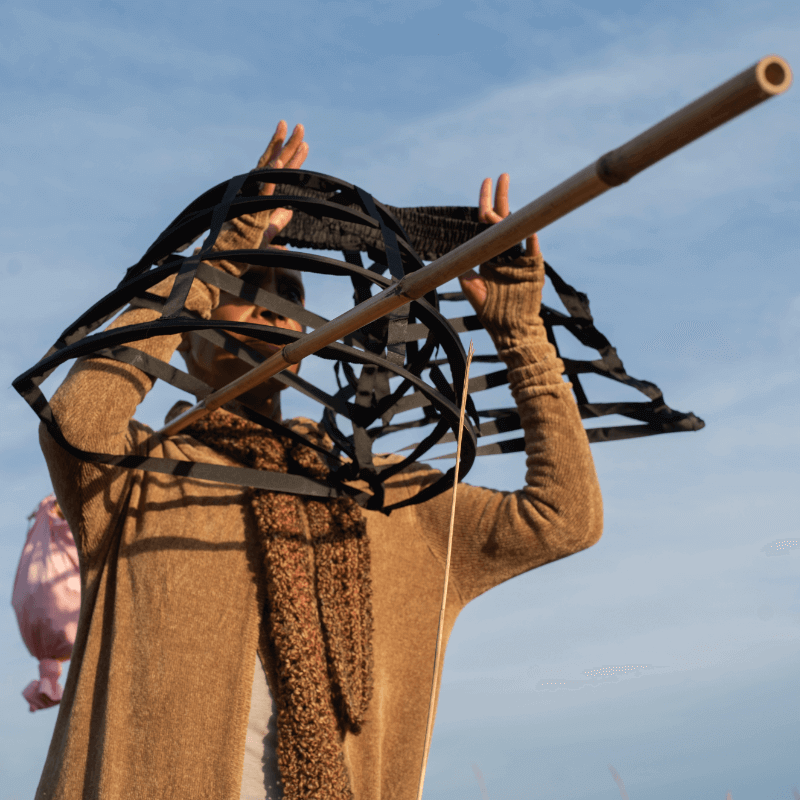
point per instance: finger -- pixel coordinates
(266, 246)
(292, 156)
(485, 213)
(532, 246)
(474, 288)
(278, 220)
(291, 147)
(273, 148)
(501, 196)
(299, 157)
(269, 188)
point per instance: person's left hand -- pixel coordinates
(472, 284)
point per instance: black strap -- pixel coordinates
(398, 319)
(183, 280)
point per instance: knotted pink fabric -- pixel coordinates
(47, 600)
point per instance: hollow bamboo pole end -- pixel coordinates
(774, 75)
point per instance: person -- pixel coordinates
(237, 643)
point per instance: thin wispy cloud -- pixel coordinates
(80, 38)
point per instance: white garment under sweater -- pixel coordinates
(260, 776)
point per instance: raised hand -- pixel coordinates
(472, 284)
(500, 211)
(291, 155)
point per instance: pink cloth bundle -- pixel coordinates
(47, 600)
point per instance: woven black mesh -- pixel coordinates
(408, 348)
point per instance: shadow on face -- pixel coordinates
(216, 366)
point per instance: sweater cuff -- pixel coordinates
(513, 300)
(202, 299)
(511, 315)
(241, 233)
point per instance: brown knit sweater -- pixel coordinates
(157, 697)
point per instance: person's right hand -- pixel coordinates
(278, 155)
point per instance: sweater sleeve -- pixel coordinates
(500, 534)
(94, 407)
(96, 403)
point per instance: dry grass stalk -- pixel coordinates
(437, 654)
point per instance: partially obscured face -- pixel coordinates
(218, 367)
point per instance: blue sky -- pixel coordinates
(118, 115)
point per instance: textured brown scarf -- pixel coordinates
(319, 593)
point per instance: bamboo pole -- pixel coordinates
(766, 78)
